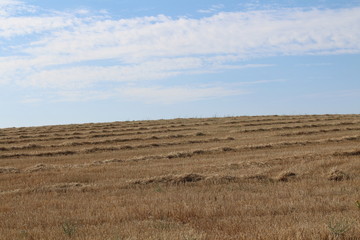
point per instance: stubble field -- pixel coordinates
(264, 177)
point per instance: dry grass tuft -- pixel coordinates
(233, 166)
(60, 188)
(286, 176)
(200, 134)
(9, 170)
(338, 175)
(259, 177)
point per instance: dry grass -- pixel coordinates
(265, 177)
(338, 175)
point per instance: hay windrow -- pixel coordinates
(219, 179)
(171, 179)
(194, 177)
(348, 154)
(39, 167)
(114, 160)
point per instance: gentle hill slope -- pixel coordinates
(264, 177)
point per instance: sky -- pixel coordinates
(64, 62)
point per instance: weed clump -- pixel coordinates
(228, 149)
(69, 228)
(200, 134)
(338, 175)
(339, 228)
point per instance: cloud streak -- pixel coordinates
(212, 9)
(176, 94)
(59, 50)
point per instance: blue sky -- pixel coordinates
(99, 61)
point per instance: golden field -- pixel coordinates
(263, 177)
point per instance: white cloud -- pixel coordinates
(16, 26)
(81, 95)
(6, 3)
(14, 8)
(79, 49)
(8, 6)
(82, 11)
(244, 34)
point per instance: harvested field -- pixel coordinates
(264, 177)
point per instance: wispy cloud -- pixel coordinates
(212, 9)
(159, 94)
(80, 49)
(315, 64)
(176, 94)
